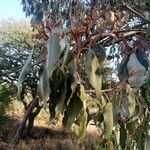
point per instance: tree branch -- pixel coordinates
(135, 12)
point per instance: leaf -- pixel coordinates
(43, 86)
(60, 105)
(64, 43)
(53, 47)
(95, 79)
(108, 120)
(132, 126)
(140, 139)
(82, 119)
(83, 116)
(73, 109)
(131, 100)
(135, 115)
(92, 69)
(23, 75)
(72, 78)
(123, 136)
(83, 95)
(148, 31)
(60, 31)
(58, 92)
(99, 52)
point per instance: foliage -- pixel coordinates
(6, 91)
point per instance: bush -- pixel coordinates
(6, 93)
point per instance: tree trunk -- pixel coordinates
(31, 120)
(22, 124)
(30, 125)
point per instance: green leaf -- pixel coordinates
(131, 100)
(135, 115)
(23, 75)
(132, 126)
(92, 69)
(94, 78)
(58, 92)
(140, 139)
(108, 120)
(53, 47)
(99, 52)
(148, 31)
(73, 109)
(61, 103)
(43, 86)
(123, 136)
(82, 119)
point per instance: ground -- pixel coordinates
(46, 136)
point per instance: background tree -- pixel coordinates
(16, 45)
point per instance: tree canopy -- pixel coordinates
(81, 36)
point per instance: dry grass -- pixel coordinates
(46, 136)
(69, 143)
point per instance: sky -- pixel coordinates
(12, 9)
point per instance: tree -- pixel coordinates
(16, 45)
(77, 34)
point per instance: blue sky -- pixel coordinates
(12, 9)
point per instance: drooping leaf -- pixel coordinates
(148, 31)
(64, 43)
(53, 47)
(115, 139)
(83, 116)
(72, 78)
(92, 69)
(60, 105)
(135, 115)
(108, 120)
(60, 30)
(23, 75)
(82, 119)
(43, 86)
(73, 109)
(99, 52)
(95, 78)
(132, 126)
(65, 46)
(140, 138)
(58, 92)
(123, 136)
(131, 100)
